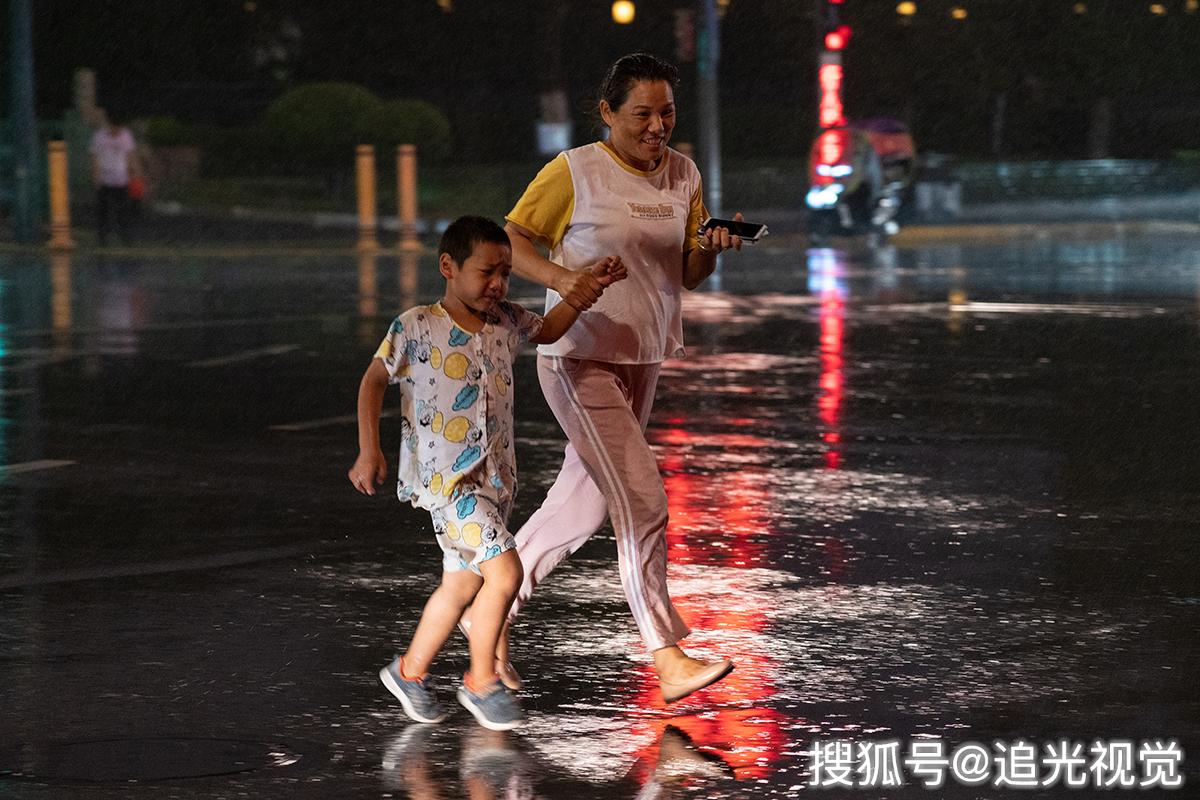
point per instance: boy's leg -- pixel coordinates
(441, 613)
(483, 537)
(501, 579)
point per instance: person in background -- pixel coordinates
(115, 164)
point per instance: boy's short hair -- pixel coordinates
(459, 239)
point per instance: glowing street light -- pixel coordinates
(623, 12)
(906, 9)
(1158, 9)
(958, 13)
(837, 38)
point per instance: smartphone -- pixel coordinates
(750, 232)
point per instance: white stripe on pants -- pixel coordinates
(608, 470)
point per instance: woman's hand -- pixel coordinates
(579, 289)
(718, 240)
(609, 270)
(701, 260)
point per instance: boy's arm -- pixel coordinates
(370, 468)
(606, 271)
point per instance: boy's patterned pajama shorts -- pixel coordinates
(472, 529)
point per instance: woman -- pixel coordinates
(634, 199)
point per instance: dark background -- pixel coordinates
(1050, 69)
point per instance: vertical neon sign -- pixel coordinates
(830, 80)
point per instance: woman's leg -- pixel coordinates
(573, 510)
(595, 406)
(610, 438)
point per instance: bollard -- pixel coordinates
(408, 279)
(60, 299)
(406, 195)
(368, 298)
(367, 222)
(60, 204)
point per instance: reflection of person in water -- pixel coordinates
(491, 765)
(496, 765)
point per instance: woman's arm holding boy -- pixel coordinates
(578, 288)
(370, 468)
(606, 271)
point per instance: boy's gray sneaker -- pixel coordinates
(416, 696)
(494, 707)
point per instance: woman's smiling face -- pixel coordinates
(641, 127)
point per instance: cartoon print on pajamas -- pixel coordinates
(408, 434)
(419, 350)
(502, 383)
(473, 528)
(466, 397)
(459, 367)
(467, 457)
(461, 429)
(456, 416)
(425, 412)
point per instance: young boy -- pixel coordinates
(453, 361)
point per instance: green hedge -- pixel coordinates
(320, 124)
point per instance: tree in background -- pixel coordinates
(397, 122)
(318, 125)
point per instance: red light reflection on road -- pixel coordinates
(716, 520)
(829, 400)
(826, 269)
(713, 518)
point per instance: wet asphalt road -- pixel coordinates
(942, 490)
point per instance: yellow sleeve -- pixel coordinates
(697, 213)
(393, 351)
(548, 203)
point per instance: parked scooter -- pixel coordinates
(860, 176)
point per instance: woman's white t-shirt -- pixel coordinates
(587, 204)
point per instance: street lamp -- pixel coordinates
(906, 9)
(623, 12)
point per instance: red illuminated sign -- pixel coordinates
(829, 151)
(832, 147)
(830, 79)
